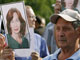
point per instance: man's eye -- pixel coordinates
(57, 28)
(66, 28)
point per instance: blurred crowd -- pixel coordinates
(44, 35)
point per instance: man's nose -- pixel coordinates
(61, 33)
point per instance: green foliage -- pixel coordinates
(42, 8)
(8, 1)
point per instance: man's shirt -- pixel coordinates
(75, 56)
(41, 46)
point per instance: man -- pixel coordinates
(40, 44)
(67, 36)
(57, 6)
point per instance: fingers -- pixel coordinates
(35, 56)
(8, 54)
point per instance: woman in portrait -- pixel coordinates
(16, 27)
(69, 4)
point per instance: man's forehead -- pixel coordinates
(64, 24)
(61, 20)
(30, 12)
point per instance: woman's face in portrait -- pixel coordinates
(69, 3)
(15, 24)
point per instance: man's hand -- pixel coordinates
(2, 41)
(35, 56)
(8, 54)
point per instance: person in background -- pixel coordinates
(57, 6)
(67, 35)
(39, 25)
(40, 43)
(49, 31)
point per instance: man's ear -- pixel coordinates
(78, 30)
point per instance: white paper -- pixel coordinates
(19, 5)
(23, 52)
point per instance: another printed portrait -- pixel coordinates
(69, 4)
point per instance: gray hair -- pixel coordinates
(76, 24)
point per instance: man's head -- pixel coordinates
(31, 16)
(66, 29)
(57, 6)
(40, 22)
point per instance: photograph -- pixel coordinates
(69, 4)
(15, 24)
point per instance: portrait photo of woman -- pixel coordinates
(15, 25)
(16, 29)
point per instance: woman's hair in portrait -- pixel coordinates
(74, 4)
(63, 3)
(9, 18)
